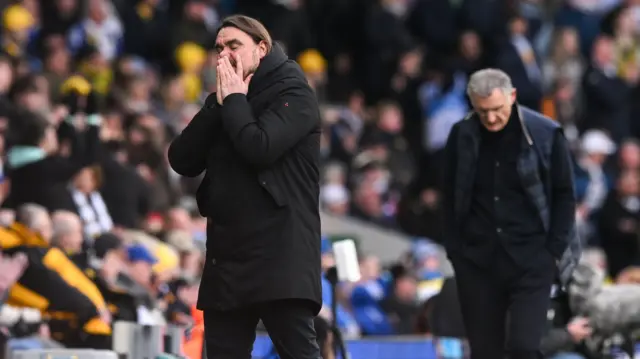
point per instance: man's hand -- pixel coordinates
(582, 212)
(231, 81)
(105, 315)
(579, 329)
(218, 86)
(11, 269)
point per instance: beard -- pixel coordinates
(249, 68)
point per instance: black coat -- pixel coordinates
(45, 181)
(544, 168)
(260, 192)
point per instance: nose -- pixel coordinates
(492, 118)
(224, 53)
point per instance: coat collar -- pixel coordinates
(263, 76)
(520, 114)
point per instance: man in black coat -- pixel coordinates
(509, 218)
(258, 140)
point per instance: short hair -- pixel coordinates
(631, 141)
(483, 82)
(250, 26)
(30, 215)
(63, 223)
(30, 128)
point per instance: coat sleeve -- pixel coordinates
(563, 203)
(188, 152)
(557, 340)
(262, 140)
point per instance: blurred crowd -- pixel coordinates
(98, 228)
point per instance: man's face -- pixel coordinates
(234, 43)
(141, 272)
(494, 110)
(630, 156)
(45, 228)
(74, 239)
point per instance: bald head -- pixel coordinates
(67, 231)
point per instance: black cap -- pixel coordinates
(106, 243)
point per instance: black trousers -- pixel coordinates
(230, 334)
(504, 306)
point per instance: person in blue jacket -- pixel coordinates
(365, 302)
(345, 321)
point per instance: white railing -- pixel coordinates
(130, 341)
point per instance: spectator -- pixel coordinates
(185, 296)
(518, 60)
(190, 256)
(334, 194)
(18, 25)
(51, 275)
(91, 93)
(344, 320)
(67, 232)
(101, 27)
(427, 264)
(618, 224)
(88, 203)
(629, 158)
(366, 300)
(401, 306)
(141, 261)
(605, 93)
(565, 60)
(591, 182)
(567, 334)
(34, 157)
(105, 264)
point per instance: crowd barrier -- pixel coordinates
(64, 354)
(134, 341)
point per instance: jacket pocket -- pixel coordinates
(269, 183)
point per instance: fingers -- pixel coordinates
(229, 68)
(239, 69)
(218, 85)
(248, 79)
(224, 73)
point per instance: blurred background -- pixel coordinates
(96, 227)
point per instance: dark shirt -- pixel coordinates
(500, 207)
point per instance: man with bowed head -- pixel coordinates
(258, 141)
(509, 218)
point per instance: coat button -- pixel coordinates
(264, 183)
(213, 261)
(499, 230)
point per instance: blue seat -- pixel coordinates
(375, 348)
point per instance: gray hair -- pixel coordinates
(483, 82)
(64, 222)
(31, 215)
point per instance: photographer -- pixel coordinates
(566, 334)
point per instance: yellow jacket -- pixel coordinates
(52, 283)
